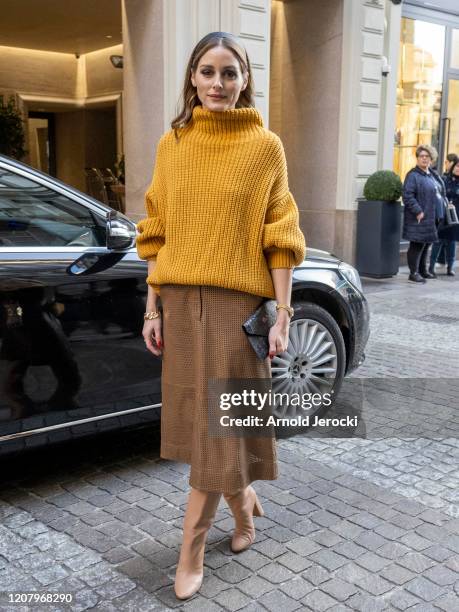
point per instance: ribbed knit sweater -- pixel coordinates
(219, 207)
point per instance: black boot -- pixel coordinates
(450, 271)
(429, 274)
(416, 278)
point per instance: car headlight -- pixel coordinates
(351, 275)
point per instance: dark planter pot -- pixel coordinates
(378, 238)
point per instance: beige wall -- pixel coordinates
(306, 39)
(43, 72)
(57, 74)
(101, 77)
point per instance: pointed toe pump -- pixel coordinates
(200, 512)
(244, 505)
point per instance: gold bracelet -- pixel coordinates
(153, 314)
(289, 309)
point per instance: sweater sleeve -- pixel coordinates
(283, 241)
(152, 230)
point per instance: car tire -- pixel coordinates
(314, 362)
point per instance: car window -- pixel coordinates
(33, 215)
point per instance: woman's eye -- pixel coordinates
(209, 72)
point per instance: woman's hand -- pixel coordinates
(278, 334)
(152, 334)
(420, 217)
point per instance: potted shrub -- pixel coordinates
(12, 137)
(378, 225)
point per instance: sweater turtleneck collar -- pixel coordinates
(228, 122)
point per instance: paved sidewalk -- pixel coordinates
(351, 524)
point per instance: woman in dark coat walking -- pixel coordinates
(450, 235)
(423, 199)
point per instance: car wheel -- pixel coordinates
(314, 362)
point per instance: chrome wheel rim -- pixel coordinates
(309, 365)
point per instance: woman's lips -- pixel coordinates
(217, 97)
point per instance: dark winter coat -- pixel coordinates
(452, 193)
(419, 195)
(452, 190)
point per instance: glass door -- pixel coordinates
(450, 110)
(451, 122)
(419, 90)
(427, 108)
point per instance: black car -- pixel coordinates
(72, 298)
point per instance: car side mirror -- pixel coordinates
(121, 232)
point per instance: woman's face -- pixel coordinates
(218, 79)
(456, 170)
(423, 160)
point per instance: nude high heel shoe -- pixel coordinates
(244, 505)
(200, 512)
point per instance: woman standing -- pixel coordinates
(452, 193)
(423, 199)
(450, 160)
(222, 234)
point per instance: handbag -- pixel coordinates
(258, 325)
(450, 214)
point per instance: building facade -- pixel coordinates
(320, 84)
(350, 86)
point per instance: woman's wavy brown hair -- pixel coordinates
(189, 98)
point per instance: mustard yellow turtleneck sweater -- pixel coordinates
(219, 207)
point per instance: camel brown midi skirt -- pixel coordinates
(203, 339)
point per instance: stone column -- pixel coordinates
(305, 107)
(360, 111)
(143, 97)
(393, 23)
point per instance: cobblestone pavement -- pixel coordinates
(369, 523)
